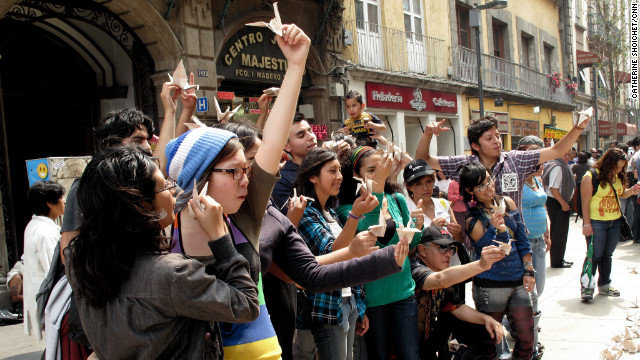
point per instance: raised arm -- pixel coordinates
(457, 274)
(422, 152)
(295, 46)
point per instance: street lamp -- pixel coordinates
(474, 22)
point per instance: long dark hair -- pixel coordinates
(311, 166)
(351, 165)
(608, 166)
(471, 175)
(246, 131)
(114, 195)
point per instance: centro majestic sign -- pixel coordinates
(406, 98)
(253, 55)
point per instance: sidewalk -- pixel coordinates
(570, 329)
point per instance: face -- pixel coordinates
(329, 180)
(368, 167)
(489, 144)
(486, 191)
(229, 193)
(164, 201)
(574, 153)
(139, 137)
(354, 108)
(421, 189)
(301, 139)
(57, 209)
(435, 260)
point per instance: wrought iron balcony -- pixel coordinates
(384, 48)
(506, 75)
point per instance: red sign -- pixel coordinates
(586, 58)
(406, 98)
(604, 128)
(320, 131)
(226, 95)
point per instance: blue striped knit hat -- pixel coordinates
(189, 155)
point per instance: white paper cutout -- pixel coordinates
(195, 124)
(584, 116)
(227, 114)
(196, 197)
(363, 184)
(506, 247)
(274, 25)
(379, 230)
(181, 79)
(406, 232)
(272, 91)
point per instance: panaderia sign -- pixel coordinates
(253, 55)
(406, 98)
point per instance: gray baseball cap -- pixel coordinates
(531, 140)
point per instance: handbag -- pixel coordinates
(625, 229)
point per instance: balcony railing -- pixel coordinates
(506, 75)
(395, 50)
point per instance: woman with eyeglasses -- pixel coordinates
(506, 287)
(135, 299)
(602, 217)
(216, 157)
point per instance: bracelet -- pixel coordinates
(528, 263)
(531, 273)
(586, 225)
(355, 217)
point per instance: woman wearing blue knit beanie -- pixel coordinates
(216, 157)
(507, 287)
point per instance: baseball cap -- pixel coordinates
(531, 140)
(415, 169)
(436, 234)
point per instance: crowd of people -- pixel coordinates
(251, 241)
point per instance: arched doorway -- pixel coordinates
(61, 69)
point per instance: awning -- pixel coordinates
(586, 58)
(626, 129)
(623, 77)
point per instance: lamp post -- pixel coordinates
(474, 22)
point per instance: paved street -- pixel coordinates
(570, 328)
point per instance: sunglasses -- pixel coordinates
(443, 249)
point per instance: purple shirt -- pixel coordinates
(509, 172)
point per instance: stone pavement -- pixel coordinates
(570, 329)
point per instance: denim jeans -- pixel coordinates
(605, 239)
(304, 347)
(398, 319)
(335, 342)
(517, 304)
(538, 257)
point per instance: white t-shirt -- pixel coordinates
(441, 209)
(555, 181)
(443, 185)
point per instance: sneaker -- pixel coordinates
(610, 292)
(587, 294)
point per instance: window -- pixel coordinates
(546, 61)
(579, 38)
(464, 39)
(527, 51)
(498, 39)
(412, 18)
(367, 12)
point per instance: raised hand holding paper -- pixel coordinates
(225, 116)
(363, 184)
(274, 25)
(272, 91)
(378, 230)
(181, 79)
(584, 116)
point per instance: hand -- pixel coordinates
(565, 206)
(345, 130)
(383, 169)
(587, 230)
(188, 97)
(529, 283)
(418, 215)
(490, 255)
(263, 103)
(381, 139)
(168, 99)
(493, 327)
(363, 244)
(439, 221)
(454, 229)
(341, 147)
(401, 251)
(547, 241)
(295, 209)
(211, 218)
(497, 220)
(635, 189)
(364, 204)
(294, 44)
(362, 327)
(435, 128)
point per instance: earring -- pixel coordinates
(472, 203)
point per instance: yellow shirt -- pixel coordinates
(356, 126)
(603, 205)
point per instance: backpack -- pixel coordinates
(594, 183)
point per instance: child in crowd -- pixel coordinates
(361, 124)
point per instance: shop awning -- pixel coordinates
(626, 129)
(623, 77)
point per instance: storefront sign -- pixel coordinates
(226, 95)
(502, 117)
(604, 128)
(524, 127)
(406, 98)
(555, 134)
(320, 131)
(586, 58)
(253, 55)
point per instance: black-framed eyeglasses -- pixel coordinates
(168, 185)
(443, 249)
(237, 172)
(484, 186)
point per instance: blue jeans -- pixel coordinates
(605, 239)
(335, 342)
(398, 319)
(538, 257)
